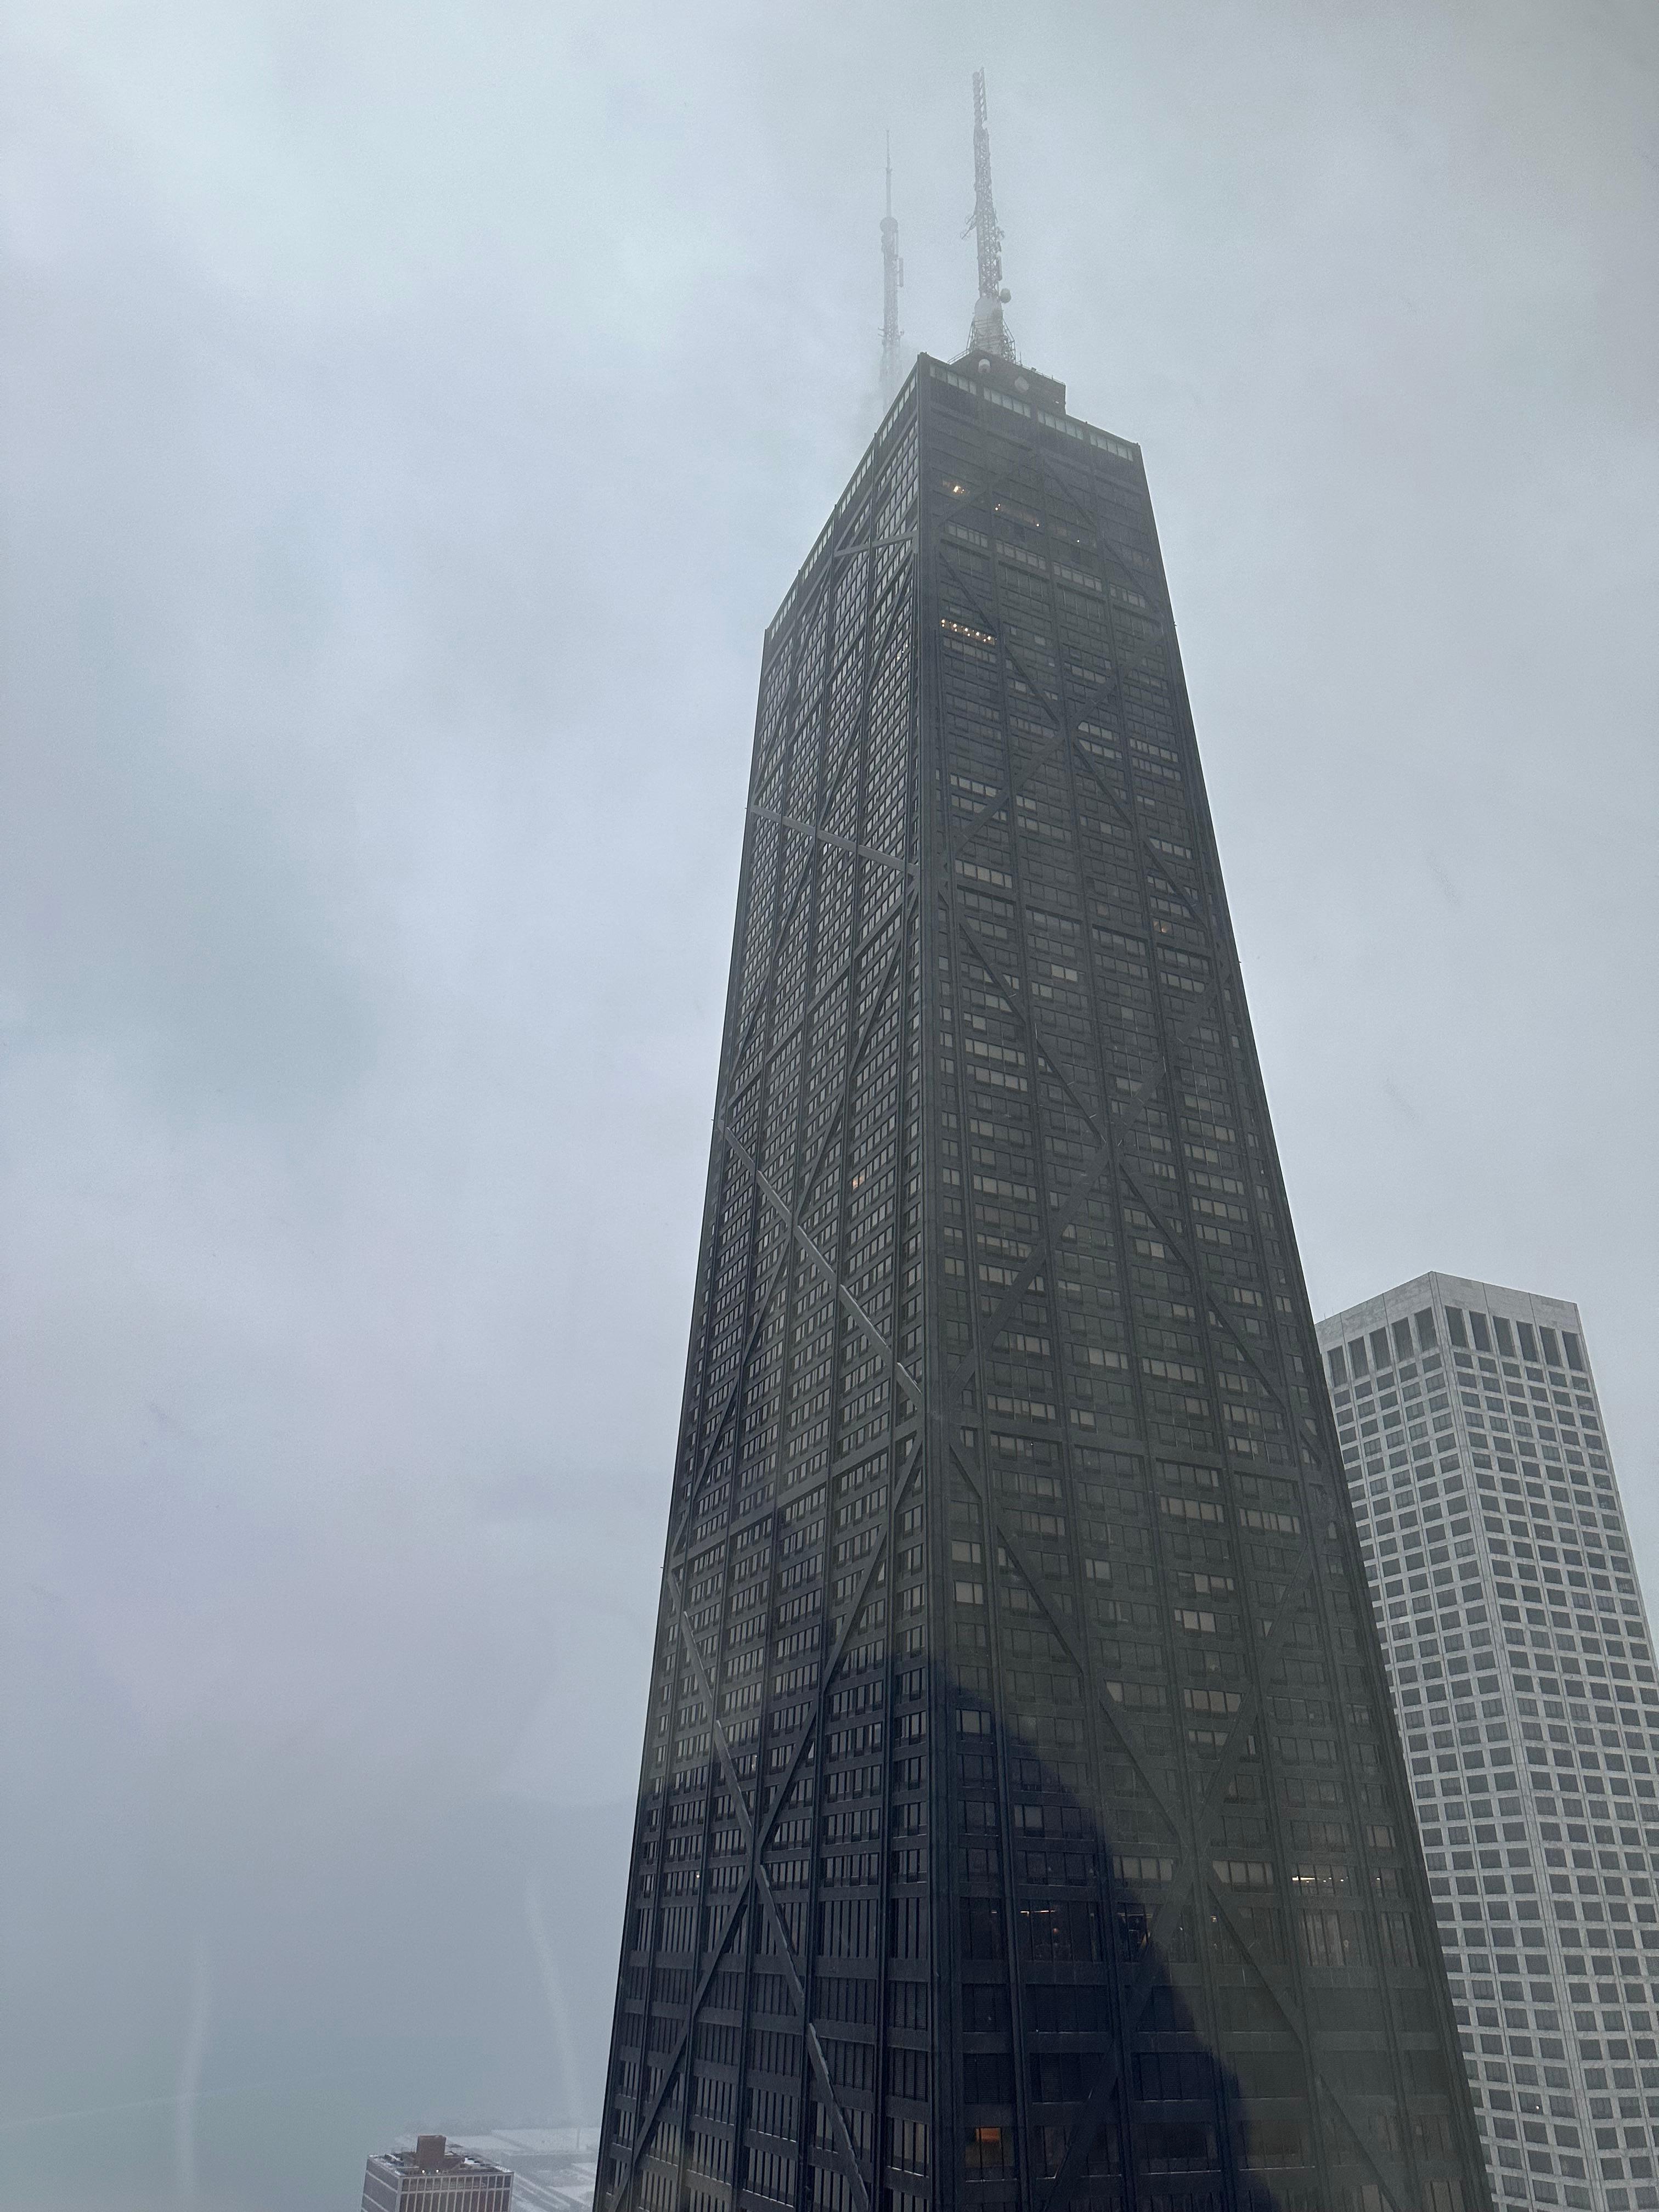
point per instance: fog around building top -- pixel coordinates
(412, 419)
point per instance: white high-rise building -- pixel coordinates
(1523, 1674)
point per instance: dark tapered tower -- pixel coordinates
(1021, 1819)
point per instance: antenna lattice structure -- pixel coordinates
(892, 276)
(990, 333)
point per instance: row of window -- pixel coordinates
(1362, 1354)
(1567, 1413)
(1382, 1513)
(1382, 1348)
(1423, 1449)
(1474, 1377)
(1508, 1513)
(1503, 1336)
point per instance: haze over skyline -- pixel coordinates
(400, 470)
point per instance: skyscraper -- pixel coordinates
(1522, 1673)
(1021, 1818)
(435, 2176)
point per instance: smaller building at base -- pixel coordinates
(435, 2179)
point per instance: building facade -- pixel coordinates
(552, 2168)
(1523, 1674)
(1021, 1818)
(435, 2176)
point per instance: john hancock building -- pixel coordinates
(1021, 1819)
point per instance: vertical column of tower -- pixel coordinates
(760, 1870)
(1164, 1712)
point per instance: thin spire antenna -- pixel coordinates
(990, 334)
(892, 276)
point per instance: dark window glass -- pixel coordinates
(1454, 1327)
(985, 2009)
(982, 1929)
(1523, 1329)
(1338, 1366)
(1552, 1347)
(1575, 1352)
(1402, 1339)
(1380, 1348)
(1357, 1358)
(988, 2078)
(1506, 1336)
(1482, 1333)
(1426, 1335)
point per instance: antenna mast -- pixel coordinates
(990, 333)
(892, 276)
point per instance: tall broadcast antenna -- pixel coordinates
(990, 333)
(892, 276)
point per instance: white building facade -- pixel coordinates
(1523, 1674)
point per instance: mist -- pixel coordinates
(411, 419)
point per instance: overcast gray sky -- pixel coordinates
(411, 416)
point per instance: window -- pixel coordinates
(1482, 1334)
(989, 2150)
(983, 1934)
(907, 2145)
(1575, 1352)
(1138, 1869)
(1357, 1359)
(1506, 1336)
(1380, 1354)
(1337, 1365)
(1403, 1346)
(1426, 1335)
(1454, 1328)
(1243, 1874)
(1330, 1939)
